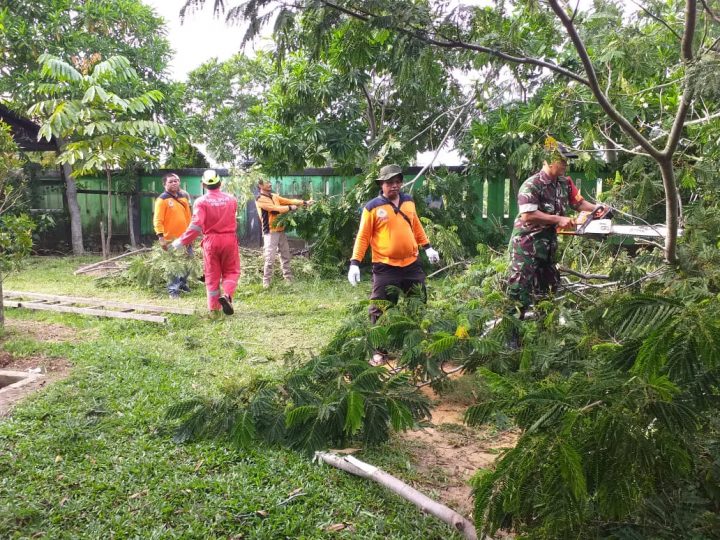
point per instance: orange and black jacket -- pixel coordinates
(172, 214)
(269, 207)
(393, 233)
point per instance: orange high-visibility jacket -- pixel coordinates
(392, 232)
(269, 207)
(172, 214)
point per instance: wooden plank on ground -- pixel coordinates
(98, 302)
(86, 311)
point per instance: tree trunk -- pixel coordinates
(2, 305)
(131, 219)
(109, 213)
(102, 239)
(672, 205)
(76, 233)
(372, 125)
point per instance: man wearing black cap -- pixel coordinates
(542, 202)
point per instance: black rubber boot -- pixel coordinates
(226, 303)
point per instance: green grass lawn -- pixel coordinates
(92, 457)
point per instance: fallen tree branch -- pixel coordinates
(425, 503)
(578, 293)
(90, 267)
(448, 266)
(411, 183)
(581, 275)
(443, 376)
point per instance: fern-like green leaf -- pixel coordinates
(571, 470)
(354, 412)
(299, 415)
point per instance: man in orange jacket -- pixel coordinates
(269, 206)
(170, 219)
(391, 228)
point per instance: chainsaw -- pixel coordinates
(599, 222)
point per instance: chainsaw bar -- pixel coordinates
(606, 227)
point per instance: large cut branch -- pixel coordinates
(594, 84)
(370, 114)
(662, 157)
(425, 503)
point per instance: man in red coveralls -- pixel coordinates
(214, 218)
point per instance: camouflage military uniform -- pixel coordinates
(532, 247)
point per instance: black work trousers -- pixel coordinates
(387, 277)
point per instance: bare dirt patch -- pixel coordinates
(448, 453)
(51, 368)
(41, 331)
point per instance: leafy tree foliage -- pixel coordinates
(614, 63)
(153, 271)
(76, 31)
(103, 129)
(186, 155)
(330, 400)
(620, 444)
(218, 98)
(336, 97)
(16, 227)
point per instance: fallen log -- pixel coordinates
(423, 502)
(92, 266)
(436, 272)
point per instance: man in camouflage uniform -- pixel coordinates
(542, 202)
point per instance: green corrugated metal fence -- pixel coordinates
(499, 204)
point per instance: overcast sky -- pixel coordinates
(199, 38)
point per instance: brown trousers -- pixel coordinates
(274, 243)
(388, 279)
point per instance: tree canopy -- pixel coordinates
(102, 129)
(625, 80)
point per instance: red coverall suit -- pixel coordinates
(214, 218)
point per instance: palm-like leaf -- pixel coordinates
(57, 69)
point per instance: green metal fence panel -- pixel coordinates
(49, 197)
(151, 186)
(92, 198)
(498, 200)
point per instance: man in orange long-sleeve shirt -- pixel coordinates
(171, 217)
(269, 206)
(391, 228)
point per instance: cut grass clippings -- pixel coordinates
(92, 456)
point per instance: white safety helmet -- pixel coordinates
(210, 178)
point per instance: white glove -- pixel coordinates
(432, 255)
(176, 244)
(354, 275)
